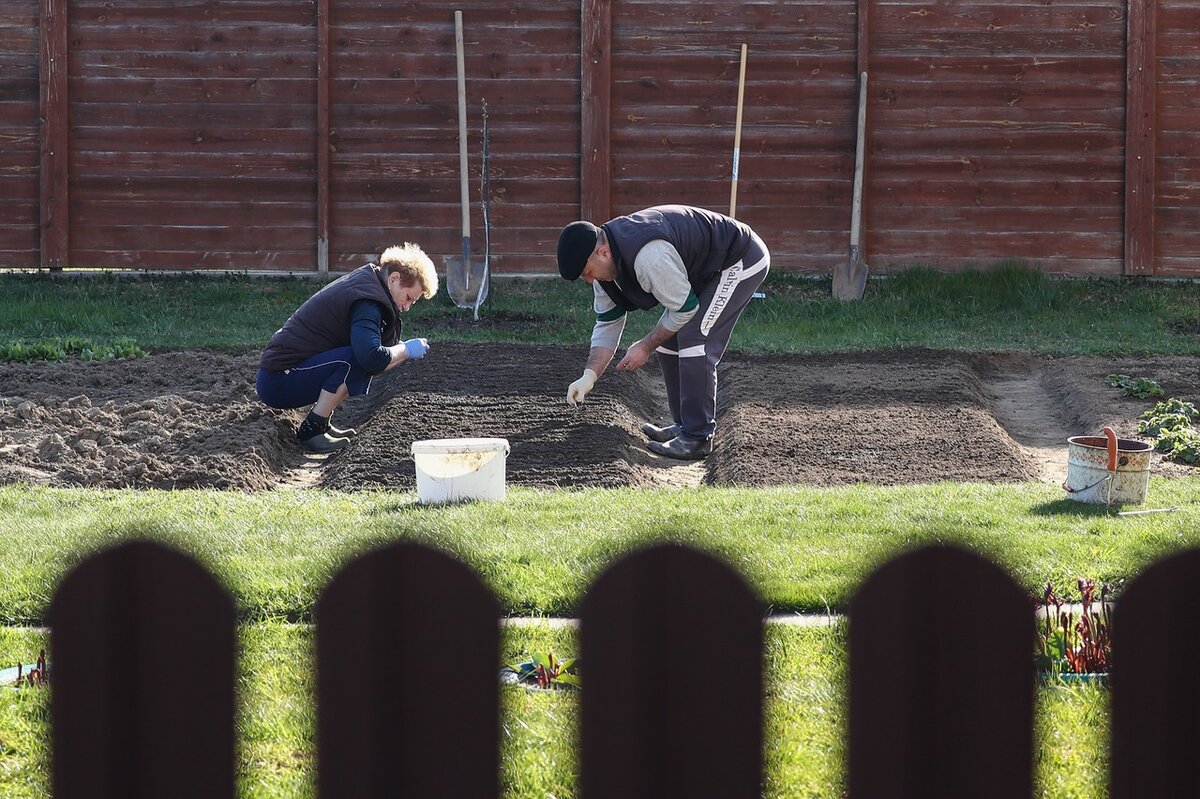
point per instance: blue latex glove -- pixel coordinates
(416, 348)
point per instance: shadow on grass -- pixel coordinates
(411, 505)
(1070, 507)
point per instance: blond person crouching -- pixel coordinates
(340, 338)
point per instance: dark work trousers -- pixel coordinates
(689, 358)
(303, 383)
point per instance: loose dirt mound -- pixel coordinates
(191, 419)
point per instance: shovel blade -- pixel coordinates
(850, 278)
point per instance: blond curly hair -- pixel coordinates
(413, 266)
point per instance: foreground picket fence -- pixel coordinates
(941, 680)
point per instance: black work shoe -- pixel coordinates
(324, 442)
(685, 448)
(660, 434)
(338, 432)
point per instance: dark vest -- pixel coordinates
(322, 323)
(708, 242)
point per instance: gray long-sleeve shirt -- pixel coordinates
(660, 272)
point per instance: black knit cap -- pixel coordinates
(575, 245)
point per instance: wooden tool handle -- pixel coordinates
(462, 126)
(737, 135)
(859, 156)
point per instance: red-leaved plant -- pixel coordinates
(1067, 645)
(543, 671)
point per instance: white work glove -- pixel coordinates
(580, 388)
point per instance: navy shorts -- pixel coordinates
(302, 384)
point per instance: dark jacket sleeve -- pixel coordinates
(366, 320)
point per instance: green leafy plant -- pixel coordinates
(70, 347)
(1182, 445)
(117, 348)
(1070, 645)
(544, 671)
(1141, 387)
(1170, 424)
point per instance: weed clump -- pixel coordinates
(1169, 423)
(1140, 387)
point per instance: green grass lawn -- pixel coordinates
(805, 719)
(1009, 308)
(800, 548)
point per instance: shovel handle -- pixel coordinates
(464, 189)
(737, 135)
(1111, 435)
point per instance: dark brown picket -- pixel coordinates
(941, 681)
(671, 655)
(1156, 683)
(142, 703)
(408, 650)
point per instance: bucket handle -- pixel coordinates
(1070, 490)
(1111, 435)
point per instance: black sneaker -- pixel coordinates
(338, 432)
(324, 442)
(684, 448)
(660, 434)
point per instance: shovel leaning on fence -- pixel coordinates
(466, 288)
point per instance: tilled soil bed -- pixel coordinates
(191, 419)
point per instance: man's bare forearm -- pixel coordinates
(598, 359)
(658, 336)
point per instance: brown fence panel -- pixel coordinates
(408, 649)
(236, 135)
(19, 132)
(1177, 211)
(394, 169)
(1156, 683)
(941, 681)
(675, 73)
(142, 705)
(998, 132)
(671, 647)
(193, 134)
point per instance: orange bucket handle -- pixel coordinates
(1111, 435)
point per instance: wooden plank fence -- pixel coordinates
(941, 689)
(305, 135)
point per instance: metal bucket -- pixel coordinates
(1106, 469)
(467, 285)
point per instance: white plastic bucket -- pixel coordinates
(1106, 469)
(459, 469)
